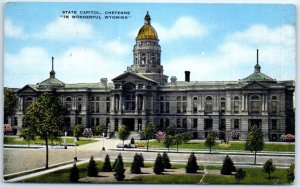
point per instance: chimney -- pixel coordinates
(104, 81)
(173, 79)
(187, 76)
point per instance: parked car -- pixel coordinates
(126, 146)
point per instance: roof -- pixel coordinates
(147, 31)
(134, 74)
(51, 82)
(257, 76)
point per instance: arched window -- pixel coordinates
(255, 104)
(79, 104)
(68, 103)
(143, 59)
(274, 97)
(236, 104)
(129, 94)
(208, 104)
(195, 98)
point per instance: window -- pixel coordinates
(68, 104)
(161, 107)
(184, 124)
(97, 107)
(178, 123)
(117, 86)
(79, 120)
(28, 102)
(92, 107)
(208, 124)
(167, 107)
(107, 107)
(107, 98)
(222, 125)
(117, 98)
(195, 107)
(236, 124)
(79, 106)
(15, 123)
(161, 98)
(116, 124)
(178, 98)
(140, 86)
(208, 104)
(274, 124)
(184, 98)
(222, 105)
(97, 98)
(167, 122)
(178, 107)
(195, 123)
(107, 121)
(274, 106)
(140, 102)
(92, 122)
(184, 104)
(255, 104)
(161, 123)
(97, 121)
(195, 98)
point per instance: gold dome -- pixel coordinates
(147, 31)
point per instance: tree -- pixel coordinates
(169, 141)
(141, 159)
(192, 166)
(44, 118)
(166, 161)
(254, 141)
(92, 170)
(269, 167)
(240, 175)
(123, 134)
(26, 134)
(210, 141)
(158, 167)
(11, 103)
(136, 165)
(114, 164)
(149, 133)
(291, 173)
(170, 130)
(178, 139)
(106, 165)
(228, 166)
(74, 174)
(77, 131)
(98, 130)
(119, 169)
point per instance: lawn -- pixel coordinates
(15, 140)
(231, 146)
(167, 179)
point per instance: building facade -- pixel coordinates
(143, 94)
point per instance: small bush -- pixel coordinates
(269, 167)
(92, 170)
(228, 166)
(166, 161)
(136, 164)
(240, 175)
(158, 167)
(291, 173)
(132, 141)
(192, 166)
(74, 174)
(106, 165)
(119, 169)
(114, 164)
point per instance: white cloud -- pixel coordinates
(66, 29)
(235, 58)
(13, 31)
(115, 47)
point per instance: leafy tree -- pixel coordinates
(210, 141)
(77, 131)
(158, 167)
(192, 166)
(166, 161)
(169, 141)
(119, 169)
(254, 141)
(178, 139)
(240, 175)
(92, 170)
(123, 134)
(98, 130)
(44, 118)
(11, 103)
(106, 165)
(291, 173)
(228, 166)
(74, 174)
(136, 165)
(269, 167)
(132, 141)
(170, 130)
(149, 133)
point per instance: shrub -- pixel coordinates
(114, 164)
(119, 169)
(160, 136)
(166, 161)
(289, 138)
(132, 141)
(98, 130)
(192, 166)
(106, 165)
(87, 132)
(136, 165)
(92, 170)
(77, 131)
(291, 173)
(210, 141)
(228, 166)
(234, 135)
(74, 174)
(141, 160)
(7, 129)
(158, 167)
(240, 175)
(269, 167)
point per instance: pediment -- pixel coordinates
(27, 89)
(132, 77)
(255, 86)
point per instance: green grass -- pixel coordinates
(231, 146)
(167, 179)
(15, 141)
(253, 176)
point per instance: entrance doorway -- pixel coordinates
(256, 122)
(129, 123)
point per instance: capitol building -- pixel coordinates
(144, 94)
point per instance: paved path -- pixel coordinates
(17, 160)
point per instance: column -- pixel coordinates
(228, 103)
(112, 104)
(136, 103)
(136, 124)
(243, 103)
(120, 103)
(144, 103)
(246, 103)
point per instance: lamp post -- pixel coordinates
(103, 148)
(65, 139)
(75, 151)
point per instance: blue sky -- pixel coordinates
(213, 41)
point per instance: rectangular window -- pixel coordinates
(161, 107)
(195, 123)
(117, 86)
(178, 123)
(116, 124)
(178, 107)
(97, 107)
(236, 124)
(184, 98)
(274, 107)
(79, 106)
(222, 107)
(15, 121)
(92, 107)
(167, 122)
(208, 106)
(208, 124)
(107, 107)
(97, 98)
(161, 123)
(140, 86)
(236, 107)
(107, 121)
(184, 104)
(79, 120)
(167, 107)
(274, 124)
(92, 122)
(222, 126)
(68, 106)
(161, 98)
(255, 106)
(178, 98)
(195, 107)
(184, 123)
(97, 121)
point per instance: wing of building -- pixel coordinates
(142, 94)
